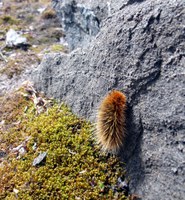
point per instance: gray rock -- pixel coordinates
(2, 154)
(78, 21)
(14, 39)
(39, 159)
(140, 50)
(81, 20)
(9, 85)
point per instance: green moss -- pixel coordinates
(36, 49)
(57, 48)
(9, 20)
(75, 167)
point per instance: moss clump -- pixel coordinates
(58, 48)
(8, 20)
(74, 167)
(49, 14)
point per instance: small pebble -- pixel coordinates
(39, 159)
(34, 147)
(175, 170)
(2, 154)
(180, 147)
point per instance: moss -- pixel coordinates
(55, 33)
(58, 48)
(12, 107)
(9, 20)
(43, 40)
(38, 48)
(75, 168)
(13, 67)
(49, 14)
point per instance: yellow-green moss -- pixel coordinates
(8, 20)
(57, 48)
(75, 168)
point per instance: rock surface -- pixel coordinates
(78, 21)
(82, 20)
(15, 39)
(9, 85)
(140, 50)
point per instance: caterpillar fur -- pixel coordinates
(111, 122)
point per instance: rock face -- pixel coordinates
(140, 50)
(81, 20)
(78, 21)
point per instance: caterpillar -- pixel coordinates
(111, 122)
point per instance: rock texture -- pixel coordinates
(140, 50)
(14, 39)
(8, 85)
(81, 20)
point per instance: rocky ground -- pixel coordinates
(35, 30)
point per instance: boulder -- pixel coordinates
(81, 20)
(78, 21)
(140, 50)
(14, 39)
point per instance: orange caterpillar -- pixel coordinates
(111, 123)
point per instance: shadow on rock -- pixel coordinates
(131, 152)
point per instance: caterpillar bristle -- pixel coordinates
(110, 129)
